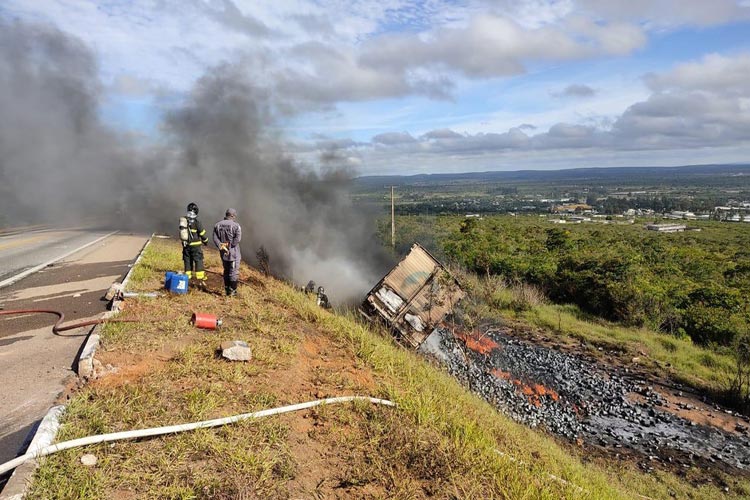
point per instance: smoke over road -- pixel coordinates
(60, 163)
(57, 161)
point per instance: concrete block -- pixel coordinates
(236, 350)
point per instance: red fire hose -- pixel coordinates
(58, 327)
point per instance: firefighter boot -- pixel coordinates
(232, 288)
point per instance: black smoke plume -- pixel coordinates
(58, 163)
(221, 148)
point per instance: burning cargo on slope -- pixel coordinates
(413, 297)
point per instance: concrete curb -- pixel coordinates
(15, 488)
(116, 302)
(85, 368)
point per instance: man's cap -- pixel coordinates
(231, 212)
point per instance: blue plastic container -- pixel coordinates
(167, 278)
(178, 283)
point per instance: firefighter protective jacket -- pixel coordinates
(196, 233)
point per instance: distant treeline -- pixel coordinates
(659, 204)
(608, 190)
(731, 176)
(607, 206)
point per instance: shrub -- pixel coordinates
(526, 296)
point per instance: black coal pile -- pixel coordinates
(572, 397)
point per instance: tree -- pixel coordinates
(557, 239)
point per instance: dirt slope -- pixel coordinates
(441, 441)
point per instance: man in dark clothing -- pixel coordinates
(322, 298)
(227, 236)
(192, 239)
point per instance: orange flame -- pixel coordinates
(477, 342)
(501, 374)
(534, 393)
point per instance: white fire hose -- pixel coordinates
(171, 429)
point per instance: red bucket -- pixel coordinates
(207, 321)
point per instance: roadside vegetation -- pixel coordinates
(440, 442)
(677, 302)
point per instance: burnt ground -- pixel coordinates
(605, 407)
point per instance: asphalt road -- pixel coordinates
(36, 367)
(24, 250)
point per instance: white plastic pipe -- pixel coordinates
(171, 429)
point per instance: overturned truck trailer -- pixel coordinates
(413, 297)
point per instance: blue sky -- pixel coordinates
(394, 86)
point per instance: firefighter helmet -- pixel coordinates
(192, 207)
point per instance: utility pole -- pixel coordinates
(393, 221)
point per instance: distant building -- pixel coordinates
(573, 208)
(637, 212)
(679, 214)
(666, 228)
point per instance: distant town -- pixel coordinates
(576, 196)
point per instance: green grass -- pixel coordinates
(441, 441)
(431, 400)
(677, 358)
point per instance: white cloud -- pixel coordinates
(687, 111)
(575, 90)
(444, 133)
(394, 138)
(226, 13)
(312, 56)
(714, 73)
(670, 13)
(368, 49)
(491, 45)
(130, 85)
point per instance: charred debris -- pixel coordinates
(414, 297)
(569, 396)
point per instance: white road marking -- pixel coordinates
(22, 275)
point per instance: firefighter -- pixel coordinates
(322, 298)
(193, 236)
(227, 236)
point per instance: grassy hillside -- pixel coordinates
(440, 442)
(678, 298)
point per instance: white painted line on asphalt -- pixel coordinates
(27, 272)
